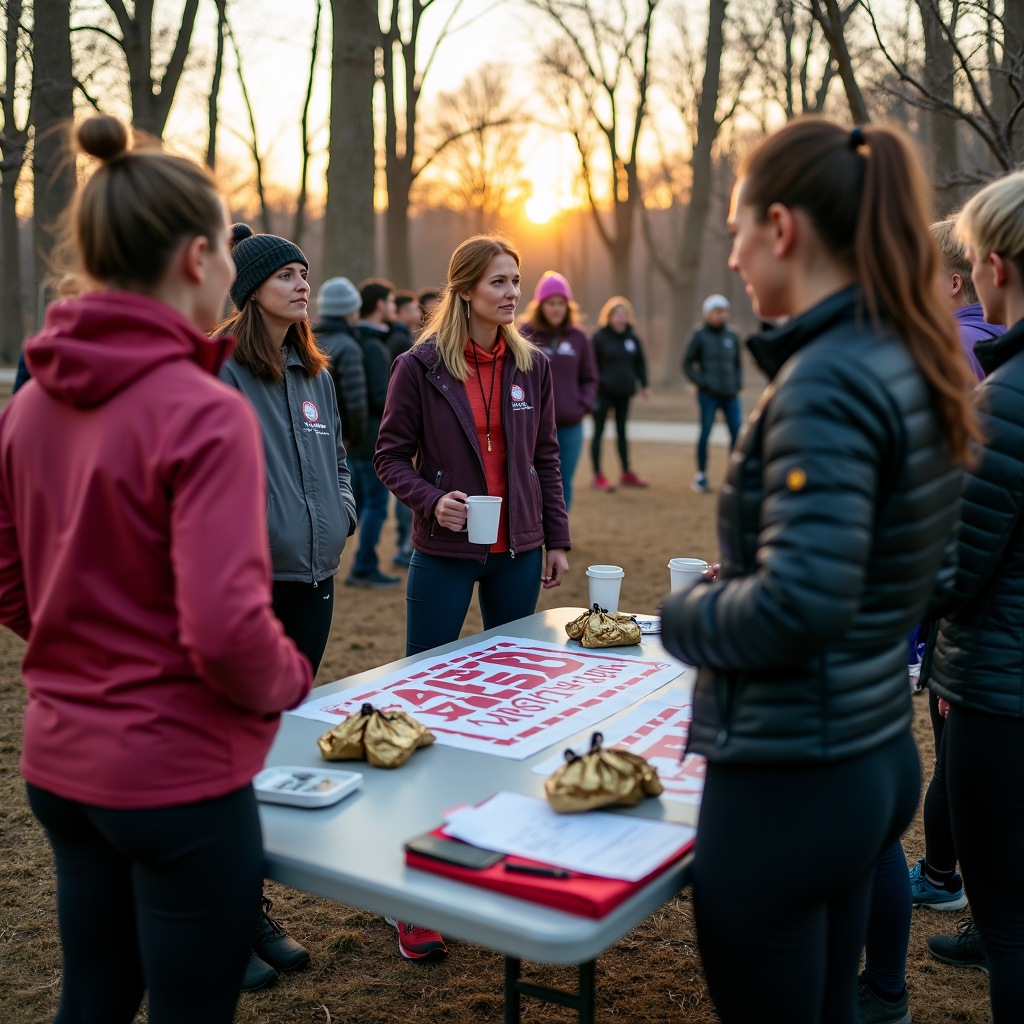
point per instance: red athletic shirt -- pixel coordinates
(481, 394)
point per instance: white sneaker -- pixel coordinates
(700, 483)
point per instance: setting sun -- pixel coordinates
(540, 209)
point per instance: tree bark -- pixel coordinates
(300, 205)
(833, 26)
(938, 75)
(1013, 57)
(348, 219)
(12, 145)
(257, 159)
(53, 108)
(218, 70)
(685, 279)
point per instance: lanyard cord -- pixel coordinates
(486, 399)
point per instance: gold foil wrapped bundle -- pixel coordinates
(601, 778)
(384, 740)
(598, 628)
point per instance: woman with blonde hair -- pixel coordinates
(133, 559)
(471, 411)
(977, 661)
(620, 364)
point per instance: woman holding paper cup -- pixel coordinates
(468, 442)
(837, 530)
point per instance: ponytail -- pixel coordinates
(868, 198)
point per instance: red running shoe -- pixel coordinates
(630, 479)
(602, 483)
(418, 943)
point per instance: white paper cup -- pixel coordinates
(682, 570)
(605, 581)
(483, 516)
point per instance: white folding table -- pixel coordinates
(353, 852)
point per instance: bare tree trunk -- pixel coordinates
(12, 143)
(938, 73)
(1013, 57)
(218, 69)
(257, 159)
(833, 25)
(300, 205)
(684, 281)
(348, 219)
(53, 87)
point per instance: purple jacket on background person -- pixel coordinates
(428, 446)
(971, 321)
(573, 371)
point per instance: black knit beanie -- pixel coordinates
(256, 258)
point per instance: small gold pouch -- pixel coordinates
(384, 740)
(601, 778)
(598, 628)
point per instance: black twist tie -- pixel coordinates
(857, 138)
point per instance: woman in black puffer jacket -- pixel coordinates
(977, 662)
(836, 527)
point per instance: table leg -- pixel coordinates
(583, 1001)
(513, 1000)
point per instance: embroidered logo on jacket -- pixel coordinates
(310, 411)
(519, 402)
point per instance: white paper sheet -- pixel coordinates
(594, 843)
(505, 696)
(655, 729)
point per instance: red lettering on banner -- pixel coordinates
(449, 711)
(506, 679)
(473, 688)
(418, 696)
(502, 716)
(551, 665)
(460, 675)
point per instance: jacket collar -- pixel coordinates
(993, 352)
(773, 348)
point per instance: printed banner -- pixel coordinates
(505, 696)
(657, 730)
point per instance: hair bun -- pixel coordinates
(238, 232)
(103, 136)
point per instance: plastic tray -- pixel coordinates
(302, 786)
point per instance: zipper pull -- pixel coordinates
(315, 584)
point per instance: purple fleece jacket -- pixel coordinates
(428, 446)
(573, 371)
(971, 321)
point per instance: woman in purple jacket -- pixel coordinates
(470, 410)
(551, 326)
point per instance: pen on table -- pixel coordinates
(526, 869)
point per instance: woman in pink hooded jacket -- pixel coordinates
(134, 561)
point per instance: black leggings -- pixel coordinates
(621, 407)
(985, 781)
(164, 899)
(782, 879)
(940, 853)
(305, 611)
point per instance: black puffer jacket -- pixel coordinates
(978, 658)
(712, 361)
(836, 523)
(338, 339)
(620, 362)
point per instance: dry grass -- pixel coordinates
(652, 975)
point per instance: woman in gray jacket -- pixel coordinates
(278, 366)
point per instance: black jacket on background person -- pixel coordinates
(620, 362)
(377, 365)
(712, 361)
(978, 657)
(837, 525)
(337, 337)
(399, 340)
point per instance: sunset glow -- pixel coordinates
(541, 208)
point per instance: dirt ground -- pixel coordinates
(357, 976)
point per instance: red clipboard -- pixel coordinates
(586, 895)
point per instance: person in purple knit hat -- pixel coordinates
(962, 296)
(551, 323)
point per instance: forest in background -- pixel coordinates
(648, 106)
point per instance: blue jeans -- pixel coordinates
(403, 528)
(570, 444)
(372, 508)
(709, 405)
(439, 590)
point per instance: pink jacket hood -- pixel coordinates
(93, 346)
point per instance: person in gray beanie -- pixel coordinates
(338, 303)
